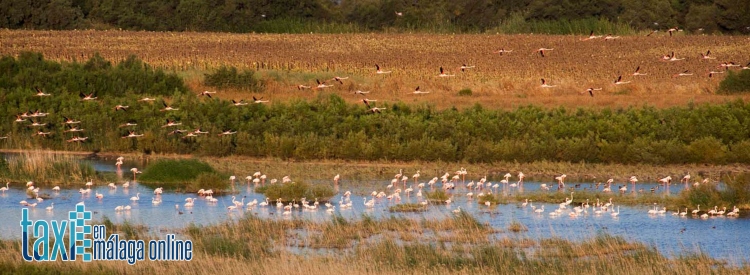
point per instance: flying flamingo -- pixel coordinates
(542, 50)
(322, 85)
(338, 79)
(132, 134)
(227, 132)
(620, 82)
(464, 67)
(545, 85)
(167, 107)
(121, 107)
(444, 74)
(610, 37)
(259, 100)
(206, 93)
(418, 92)
(39, 92)
(707, 55)
(379, 71)
(591, 91)
(239, 103)
(87, 97)
(502, 51)
(685, 73)
(638, 72)
(591, 36)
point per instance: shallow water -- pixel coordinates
(719, 237)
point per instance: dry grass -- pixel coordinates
(505, 81)
(380, 250)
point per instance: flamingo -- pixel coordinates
(684, 73)
(707, 55)
(464, 67)
(619, 81)
(50, 207)
(336, 179)
(591, 36)
(672, 58)
(227, 132)
(540, 210)
(637, 72)
(167, 107)
(545, 85)
(3, 189)
(418, 92)
(87, 97)
(610, 37)
(100, 196)
(542, 50)
(259, 100)
(503, 51)
(39, 92)
(682, 214)
(206, 93)
(379, 71)
(614, 214)
(132, 134)
(171, 123)
(695, 212)
(136, 198)
(591, 90)
(671, 30)
(121, 107)
(135, 171)
(444, 74)
(146, 99)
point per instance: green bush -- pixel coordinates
(465, 92)
(735, 82)
(296, 191)
(171, 171)
(229, 77)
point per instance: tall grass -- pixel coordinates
(47, 168)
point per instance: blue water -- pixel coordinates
(719, 237)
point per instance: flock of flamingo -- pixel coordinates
(392, 193)
(544, 52)
(74, 129)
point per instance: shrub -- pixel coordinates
(296, 191)
(229, 77)
(438, 196)
(735, 83)
(186, 175)
(408, 207)
(465, 92)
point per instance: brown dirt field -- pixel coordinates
(506, 81)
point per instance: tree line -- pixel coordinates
(294, 16)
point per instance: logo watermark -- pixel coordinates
(91, 243)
